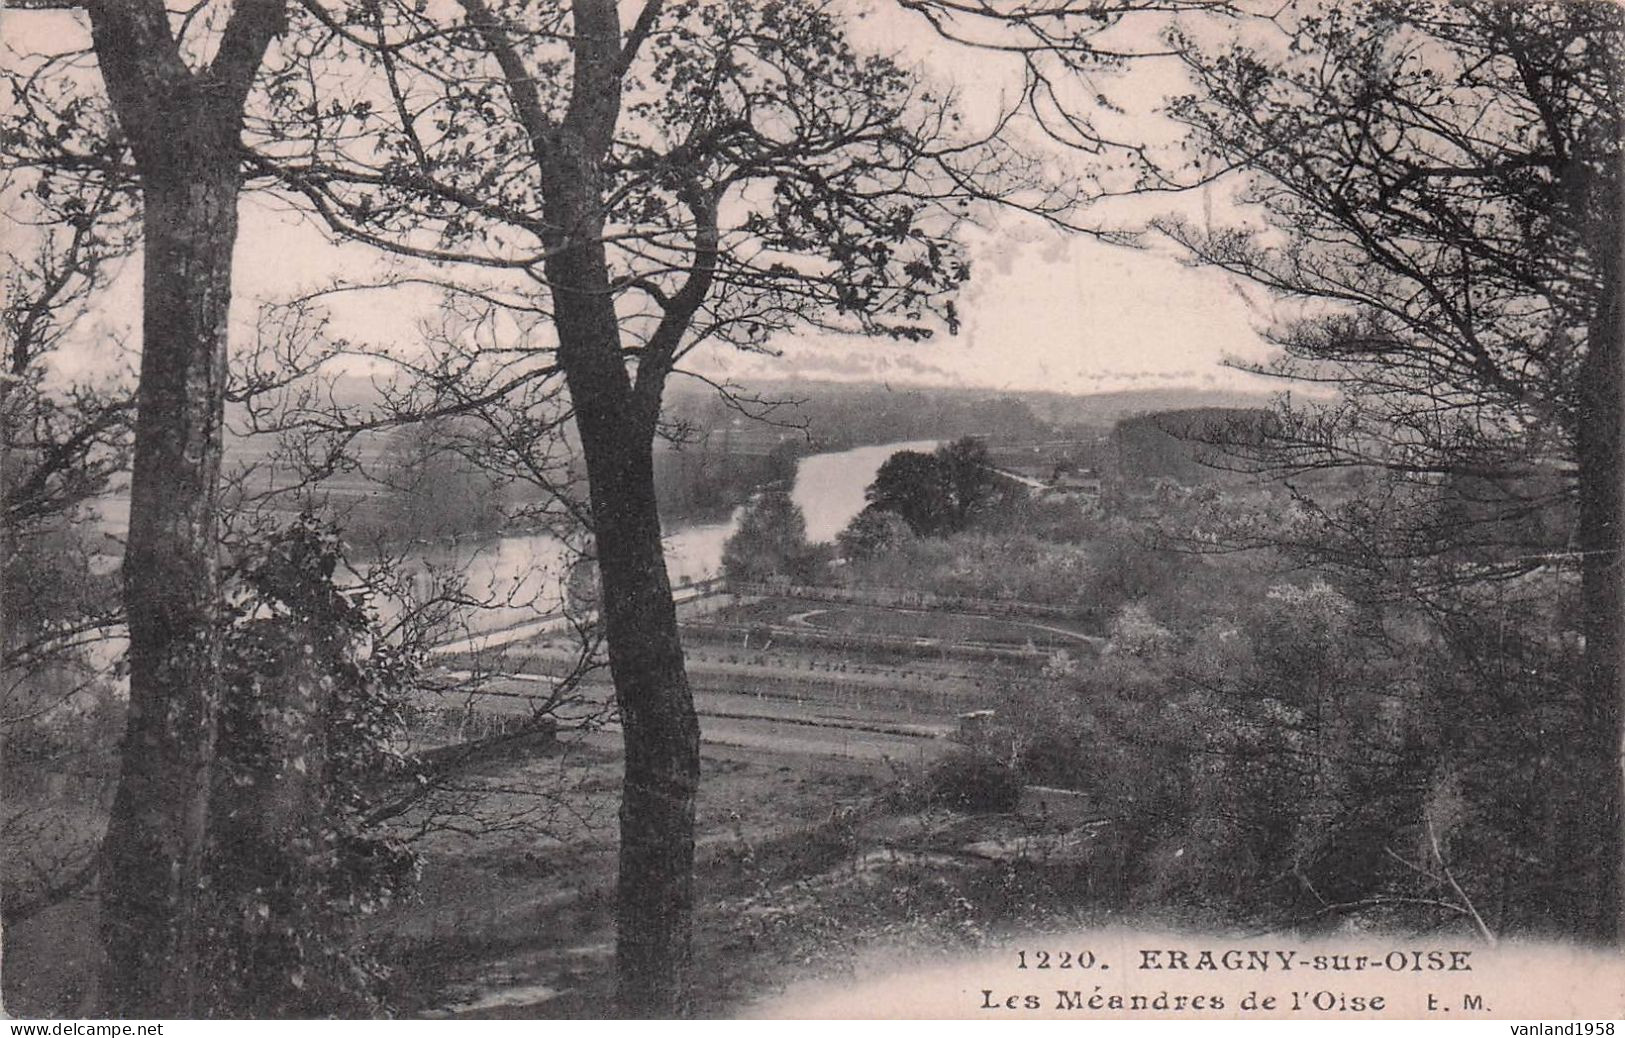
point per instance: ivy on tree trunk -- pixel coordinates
(184, 130)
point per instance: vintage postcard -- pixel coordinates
(907, 509)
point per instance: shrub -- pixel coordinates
(306, 729)
(771, 544)
(971, 781)
(873, 533)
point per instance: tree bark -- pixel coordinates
(184, 129)
(616, 418)
(660, 733)
(1598, 852)
(154, 844)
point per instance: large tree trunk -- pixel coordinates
(154, 844)
(616, 418)
(185, 129)
(655, 891)
(1598, 853)
(152, 854)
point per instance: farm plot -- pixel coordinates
(937, 625)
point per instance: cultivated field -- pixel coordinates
(808, 813)
(937, 625)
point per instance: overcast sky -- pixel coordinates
(1044, 310)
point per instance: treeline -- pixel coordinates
(433, 482)
(708, 480)
(1185, 444)
(938, 523)
(831, 416)
(436, 481)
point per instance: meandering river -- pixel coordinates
(525, 573)
(521, 577)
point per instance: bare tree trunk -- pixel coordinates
(154, 844)
(1597, 855)
(184, 129)
(655, 891)
(616, 418)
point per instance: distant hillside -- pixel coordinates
(1175, 443)
(1106, 409)
(836, 410)
(835, 414)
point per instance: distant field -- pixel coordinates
(874, 620)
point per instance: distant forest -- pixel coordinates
(426, 483)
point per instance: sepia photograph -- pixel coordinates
(1104, 510)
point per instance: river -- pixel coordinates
(525, 573)
(521, 577)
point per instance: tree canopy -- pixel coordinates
(1439, 190)
(771, 542)
(941, 492)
